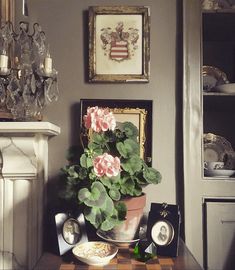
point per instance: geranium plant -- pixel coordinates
(110, 169)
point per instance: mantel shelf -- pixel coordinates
(24, 161)
(29, 128)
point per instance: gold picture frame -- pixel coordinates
(136, 116)
(119, 44)
(139, 112)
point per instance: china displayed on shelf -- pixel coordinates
(212, 78)
(219, 156)
(217, 4)
(28, 80)
(228, 88)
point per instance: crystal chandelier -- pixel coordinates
(28, 81)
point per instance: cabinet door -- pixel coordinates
(197, 119)
(220, 229)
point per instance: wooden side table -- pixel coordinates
(123, 261)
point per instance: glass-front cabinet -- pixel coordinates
(218, 82)
(209, 131)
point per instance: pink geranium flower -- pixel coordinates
(106, 165)
(99, 119)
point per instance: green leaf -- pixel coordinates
(99, 138)
(127, 186)
(114, 194)
(71, 171)
(86, 162)
(83, 194)
(128, 148)
(109, 223)
(130, 130)
(82, 173)
(105, 181)
(108, 207)
(121, 210)
(139, 179)
(94, 216)
(95, 197)
(137, 191)
(95, 149)
(151, 175)
(132, 165)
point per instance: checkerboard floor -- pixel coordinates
(124, 260)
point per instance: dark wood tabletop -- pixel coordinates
(123, 261)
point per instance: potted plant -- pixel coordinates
(110, 174)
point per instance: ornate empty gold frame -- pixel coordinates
(139, 112)
(139, 117)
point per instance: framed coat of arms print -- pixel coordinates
(119, 49)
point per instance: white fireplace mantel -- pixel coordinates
(23, 174)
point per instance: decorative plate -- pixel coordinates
(121, 243)
(212, 77)
(219, 173)
(228, 88)
(217, 148)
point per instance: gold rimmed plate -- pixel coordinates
(217, 148)
(212, 77)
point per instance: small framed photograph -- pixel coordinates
(119, 49)
(139, 112)
(162, 233)
(70, 231)
(163, 228)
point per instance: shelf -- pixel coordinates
(20, 128)
(232, 179)
(217, 94)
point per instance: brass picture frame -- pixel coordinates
(119, 44)
(138, 117)
(139, 112)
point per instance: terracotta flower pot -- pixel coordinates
(127, 230)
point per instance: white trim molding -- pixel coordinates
(24, 172)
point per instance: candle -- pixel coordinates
(48, 64)
(3, 61)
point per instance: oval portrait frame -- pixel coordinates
(71, 231)
(162, 233)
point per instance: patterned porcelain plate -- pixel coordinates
(217, 148)
(95, 253)
(212, 77)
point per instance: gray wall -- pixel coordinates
(65, 24)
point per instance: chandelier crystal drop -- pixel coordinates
(28, 81)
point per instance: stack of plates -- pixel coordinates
(212, 78)
(228, 88)
(219, 173)
(217, 148)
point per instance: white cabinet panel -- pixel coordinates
(220, 228)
